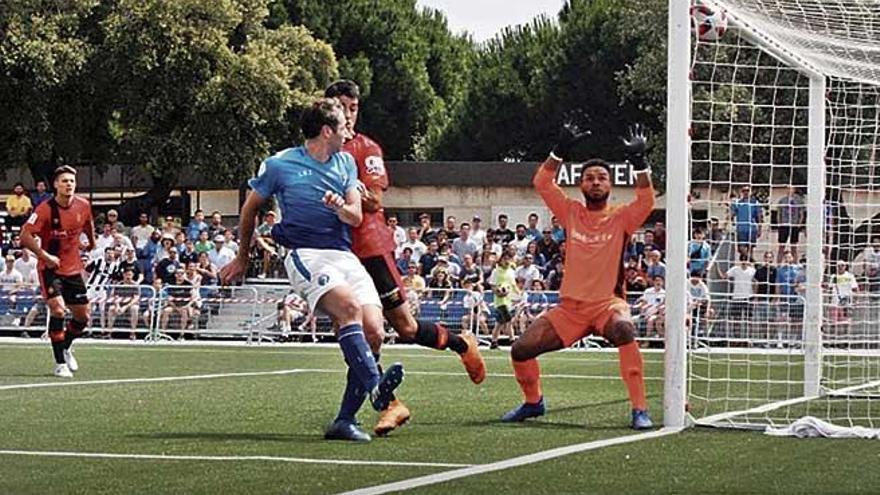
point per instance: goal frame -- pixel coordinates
(678, 146)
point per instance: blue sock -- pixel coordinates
(352, 399)
(363, 373)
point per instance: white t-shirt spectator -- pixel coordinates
(698, 293)
(472, 299)
(10, 280)
(461, 248)
(399, 235)
(232, 244)
(418, 249)
(221, 257)
(495, 249)
(521, 245)
(654, 297)
(141, 234)
(743, 279)
(26, 268)
(843, 284)
(528, 274)
(102, 242)
(478, 236)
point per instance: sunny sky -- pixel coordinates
(484, 18)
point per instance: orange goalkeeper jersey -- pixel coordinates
(595, 240)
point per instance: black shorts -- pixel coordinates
(72, 288)
(503, 314)
(789, 233)
(386, 278)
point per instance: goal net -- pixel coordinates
(784, 320)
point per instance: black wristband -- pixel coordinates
(638, 162)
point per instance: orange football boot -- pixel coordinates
(394, 416)
(473, 360)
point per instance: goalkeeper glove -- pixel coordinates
(635, 144)
(569, 137)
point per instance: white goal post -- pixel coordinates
(774, 131)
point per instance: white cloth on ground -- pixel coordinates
(812, 427)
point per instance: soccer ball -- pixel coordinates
(710, 24)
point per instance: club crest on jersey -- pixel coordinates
(375, 165)
(323, 279)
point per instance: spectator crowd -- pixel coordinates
(519, 264)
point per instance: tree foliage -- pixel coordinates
(531, 79)
(201, 86)
(411, 69)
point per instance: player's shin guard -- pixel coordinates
(57, 335)
(358, 355)
(75, 329)
(436, 336)
(528, 375)
(633, 374)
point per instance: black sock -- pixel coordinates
(57, 336)
(456, 343)
(58, 351)
(436, 336)
(75, 329)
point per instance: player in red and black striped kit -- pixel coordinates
(373, 243)
(59, 223)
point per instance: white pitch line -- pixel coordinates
(160, 379)
(164, 457)
(298, 349)
(60, 383)
(441, 477)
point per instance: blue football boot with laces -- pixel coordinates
(524, 412)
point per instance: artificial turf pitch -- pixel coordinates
(253, 420)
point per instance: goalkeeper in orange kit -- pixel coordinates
(592, 295)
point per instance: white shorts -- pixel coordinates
(313, 272)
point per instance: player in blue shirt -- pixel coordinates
(316, 186)
(747, 216)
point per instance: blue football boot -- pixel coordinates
(524, 412)
(641, 420)
(343, 429)
(383, 394)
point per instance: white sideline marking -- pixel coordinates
(60, 383)
(478, 469)
(163, 457)
(299, 349)
(66, 383)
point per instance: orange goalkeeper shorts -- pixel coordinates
(573, 320)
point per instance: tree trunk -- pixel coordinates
(151, 201)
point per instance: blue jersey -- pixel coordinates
(787, 277)
(298, 183)
(746, 211)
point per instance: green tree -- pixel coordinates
(48, 109)
(411, 70)
(194, 86)
(532, 79)
(204, 87)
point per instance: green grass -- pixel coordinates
(453, 422)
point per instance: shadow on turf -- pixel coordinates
(551, 413)
(227, 436)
